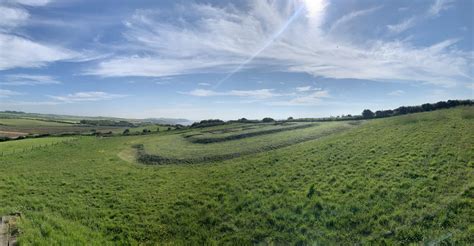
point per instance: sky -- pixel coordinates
(232, 59)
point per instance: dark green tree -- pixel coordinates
(267, 119)
(367, 114)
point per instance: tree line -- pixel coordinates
(368, 114)
(121, 123)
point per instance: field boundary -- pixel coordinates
(153, 159)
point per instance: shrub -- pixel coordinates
(367, 114)
(267, 119)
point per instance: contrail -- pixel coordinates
(268, 43)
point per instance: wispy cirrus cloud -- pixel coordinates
(313, 98)
(87, 96)
(9, 93)
(396, 93)
(255, 94)
(433, 10)
(28, 79)
(345, 21)
(402, 26)
(307, 88)
(303, 88)
(219, 39)
(301, 96)
(438, 6)
(19, 51)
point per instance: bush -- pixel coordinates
(267, 119)
(207, 123)
(367, 114)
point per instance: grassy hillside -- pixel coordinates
(400, 180)
(183, 148)
(14, 127)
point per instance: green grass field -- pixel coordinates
(25, 145)
(14, 127)
(181, 147)
(30, 122)
(400, 180)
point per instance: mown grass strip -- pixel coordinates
(247, 135)
(153, 159)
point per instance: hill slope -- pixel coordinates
(396, 180)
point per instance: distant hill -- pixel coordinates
(76, 118)
(165, 121)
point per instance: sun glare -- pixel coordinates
(315, 8)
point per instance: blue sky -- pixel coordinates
(232, 59)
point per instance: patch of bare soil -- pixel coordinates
(12, 134)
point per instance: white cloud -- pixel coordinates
(304, 96)
(153, 66)
(303, 88)
(204, 84)
(27, 79)
(21, 52)
(396, 93)
(18, 51)
(256, 94)
(347, 19)
(433, 11)
(212, 39)
(402, 26)
(9, 93)
(438, 6)
(87, 96)
(314, 98)
(12, 17)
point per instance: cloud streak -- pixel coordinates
(89, 96)
(438, 6)
(255, 94)
(27, 79)
(402, 26)
(9, 93)
(313, 98)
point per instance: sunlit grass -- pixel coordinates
(384, 182)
